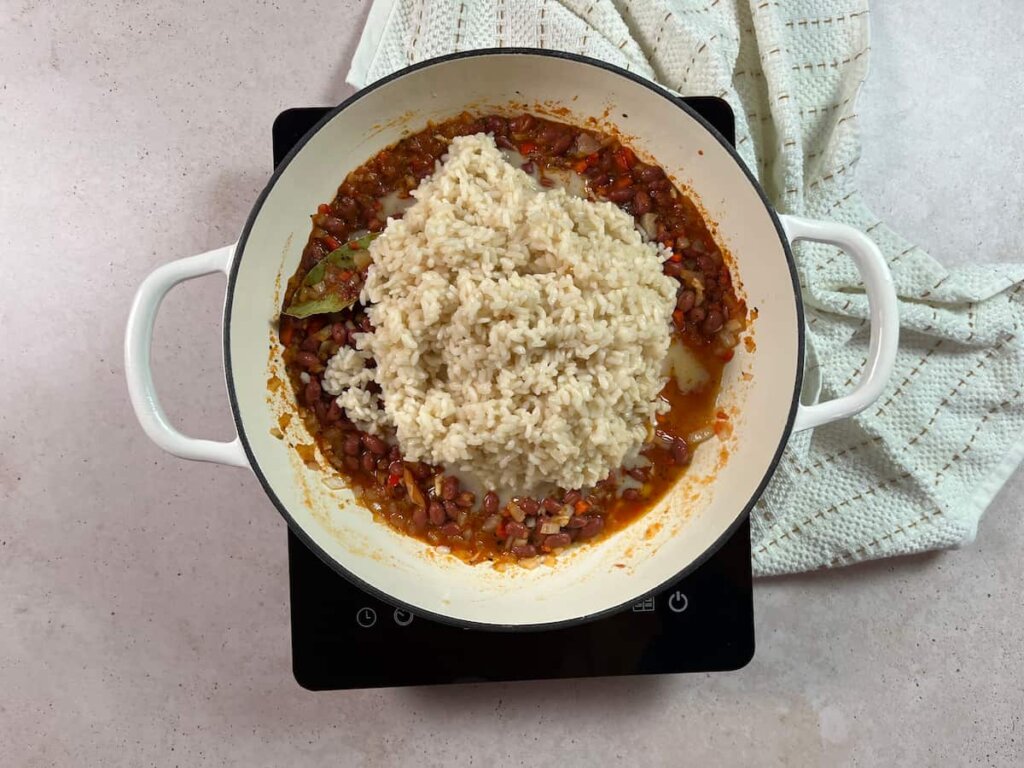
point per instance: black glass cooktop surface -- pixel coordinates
(344, 638)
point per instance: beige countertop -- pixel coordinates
(143, 600)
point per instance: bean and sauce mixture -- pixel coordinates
(423, 500)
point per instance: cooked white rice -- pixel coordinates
(520, 332)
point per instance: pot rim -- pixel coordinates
(307, 539)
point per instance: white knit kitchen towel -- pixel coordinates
(917, 470)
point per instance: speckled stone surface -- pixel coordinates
(143, 600)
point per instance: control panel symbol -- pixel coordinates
(677, 602)
(403, 618)
(644, 606)
(366, 617)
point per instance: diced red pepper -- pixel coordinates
(500, 530)
(394, 480)
(527, 148)
(581, 506)
(580, 165)
(323, 208)
(727, 355)
(345, 276)
(622, 182)
(676, 257)
(331, 242)
(624, 158)
(678, 317)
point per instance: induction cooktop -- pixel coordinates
(342, 637)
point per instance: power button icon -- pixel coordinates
(677, 602)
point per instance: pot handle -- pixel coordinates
(137, 346)
(882, 312)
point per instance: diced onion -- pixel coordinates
(699, 436)
(415, 494)
(362, 259)
(549, 526)
(649, 224)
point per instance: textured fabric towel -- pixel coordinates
(915, 471)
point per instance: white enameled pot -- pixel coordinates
(761, 388)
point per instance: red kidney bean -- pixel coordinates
(420, 470)
(686, 301)
(382, 461)
(528, 167)
(339, 334)
(620, 195)
(352, 445)
(631, 494)
(662, 185)
(395, 453)
(396, 468)
(680, 452)
(578, 522)
(310, 344)
(557, 540)
(336, 227)
(451, 509)
(650, 173)
(351, 463)
(367, 462)
(528, 505)
(672, 268)
(521, 123)
(525, 550)
(450, 488)
(504, 142)
(496, 125)
(491, 502)
(419, 518)
(436, 512)
(312, 392)
(641, 203)
(572, 497)
(466, 499)
(514, 530)
(713, 322)
(375, 445)
(551, 505)
(561, 144)
(546, 181)
(706, 265)
(593, 527)
(451, 529)
(397, 491)
(347, 208)
(307, 360)
(639, 473)
(333, 413)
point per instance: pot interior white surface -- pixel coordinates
(759, 388)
